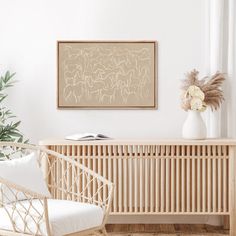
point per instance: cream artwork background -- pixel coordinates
(106, 74)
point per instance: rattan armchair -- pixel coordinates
(75, 183)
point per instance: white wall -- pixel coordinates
(30, 29)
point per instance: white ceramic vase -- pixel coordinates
(194, 126)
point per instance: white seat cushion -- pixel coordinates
(65, 217)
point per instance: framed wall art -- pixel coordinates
(100, 75)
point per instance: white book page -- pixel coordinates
(86, 136)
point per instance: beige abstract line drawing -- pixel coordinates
(106, 75)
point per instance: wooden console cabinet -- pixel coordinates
(160, 177)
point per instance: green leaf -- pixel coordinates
(1, 155)
(15, 134)
(20, 140)
(10, 76)
(26, 141)
(16, 124)
(2, 97)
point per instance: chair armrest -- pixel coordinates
(70, 180)
(28, 216)
(102, 183)
(18, 188)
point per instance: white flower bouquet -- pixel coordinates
(200, 93)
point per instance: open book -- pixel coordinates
(87, 137)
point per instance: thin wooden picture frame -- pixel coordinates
(150, 47)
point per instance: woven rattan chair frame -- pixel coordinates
(75, 182)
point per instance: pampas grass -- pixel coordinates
(210, 86)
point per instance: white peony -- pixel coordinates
(204, 106)
(195, 91)
(196, 104)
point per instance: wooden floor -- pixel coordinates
(164, 229)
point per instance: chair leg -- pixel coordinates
(97, 233)
(104, 232)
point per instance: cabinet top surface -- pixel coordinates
(226, 141)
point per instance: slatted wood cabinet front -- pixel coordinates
(161, 177)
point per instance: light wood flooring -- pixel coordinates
(164, 230)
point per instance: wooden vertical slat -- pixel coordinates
(178, 199)
(183, 183)
(167, 188)
(131, 189)
(141, 178)
(120, 177)
(162, 180)
(204, 177)
(73, 172)
(89, 166)
(199, 174)
(68, 174)
(173, 177)
(104, 168)
(84, 164)
(147, 182)
(53, 174)
(194, 184)
(62, 174)
(157, 172)
(58, 171)
(136, 179)
(110, 158)
(214, 176)
(115, 177)
(167, 176)
(209, 181)
(188, 180)
(225, 172)
(219, 193)
(94, 169)
(152, 181)
(125, 181)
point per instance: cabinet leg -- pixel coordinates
(226, 222)
(232, 190)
